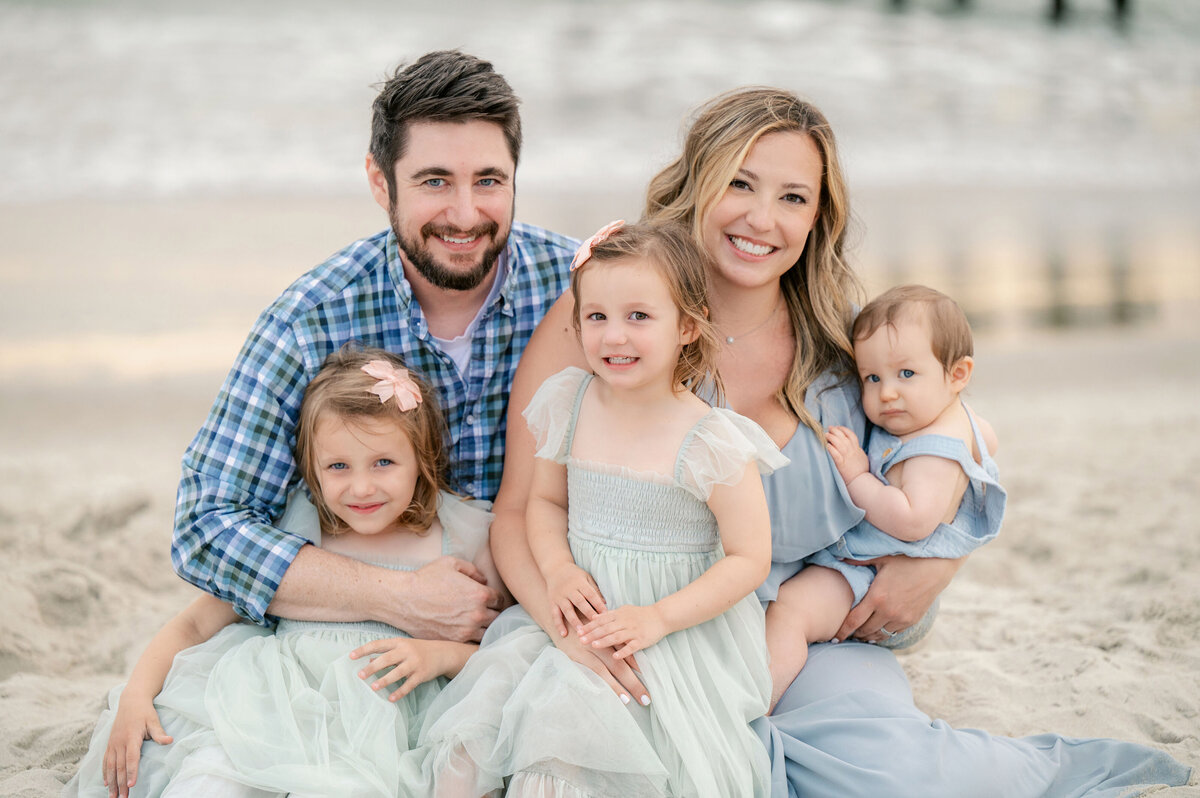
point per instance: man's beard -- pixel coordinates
(437, 273)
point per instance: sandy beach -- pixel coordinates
(1082, 618)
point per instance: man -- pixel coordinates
(455, 287)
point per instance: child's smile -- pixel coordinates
(367, 471)
(629, 324)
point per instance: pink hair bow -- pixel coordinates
(393, 382)
(585, 249)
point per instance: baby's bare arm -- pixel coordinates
(929, 488)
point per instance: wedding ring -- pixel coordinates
(886, 632)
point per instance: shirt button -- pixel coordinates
(470, 486)
(470, 418)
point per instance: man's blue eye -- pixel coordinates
(488, 182)
(435, 182)
(906, 373)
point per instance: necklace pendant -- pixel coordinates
(728, 339)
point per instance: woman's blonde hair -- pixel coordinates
(671, 250)
(341, 389)
(821, 290)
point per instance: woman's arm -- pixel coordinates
(745, 525)
(553, 347)
(902, 592)
(136, 718)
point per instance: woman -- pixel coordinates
(760, 186)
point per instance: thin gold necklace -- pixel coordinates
(729, 339)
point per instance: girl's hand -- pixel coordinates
(631, 627)
(574, 596)
(413, 661)
(848, 457)
(135, 722)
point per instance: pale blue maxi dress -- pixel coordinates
(847, 726)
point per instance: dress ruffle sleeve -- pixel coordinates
(720, 447)
(549, 413)
(466, 523)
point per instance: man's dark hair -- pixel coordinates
(442, 86)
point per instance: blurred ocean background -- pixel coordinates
(167, 168)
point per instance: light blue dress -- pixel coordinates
(522, 707)
(847, 726)
(286, 712)
(977, 520)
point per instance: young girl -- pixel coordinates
(927, 483)
(648, 521)
(301, 711)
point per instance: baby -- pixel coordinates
(927, 482)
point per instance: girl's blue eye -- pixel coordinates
(337, 466)
(383, 461)
(906, 373)
(871, 378)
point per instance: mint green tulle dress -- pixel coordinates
(285, 712)
(522, 708)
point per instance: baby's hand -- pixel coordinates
(849, 458)
(631, 627)
(575, 597)
(415, 661)
(135, 722)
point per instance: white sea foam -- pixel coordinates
(145, 98)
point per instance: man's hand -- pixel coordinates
(448, 599)
(631, 627)
(902, 592)
(848, 456)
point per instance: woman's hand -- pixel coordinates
(631, 627)
(574, 596)
(412, 661)
(136, 721)
(619, 674)
(902, 592)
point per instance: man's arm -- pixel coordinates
(552, 348)
(236, 475)
(447, 599)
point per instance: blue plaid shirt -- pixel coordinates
(239, 468)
